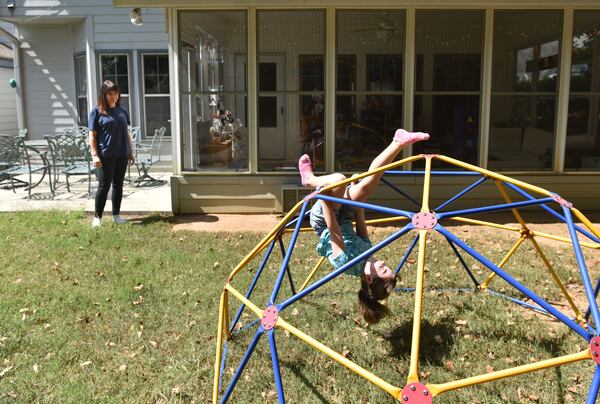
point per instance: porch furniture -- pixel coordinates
(82, 131)
(70, 156)
(146, 155)
(135, 138)
(17, 159)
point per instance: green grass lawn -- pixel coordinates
(129, 314)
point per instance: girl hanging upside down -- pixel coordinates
(339, 241)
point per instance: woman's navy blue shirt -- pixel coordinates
(112, 135)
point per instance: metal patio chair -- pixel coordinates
(82, 131)
(18, 159)
(146, 155)
(70, 156)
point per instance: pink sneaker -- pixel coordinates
(305, 167)
(405, 138)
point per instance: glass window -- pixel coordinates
(448, 50)
(115, 67)
(81, 89)
(213, 59)
(369, 88)
(583, 124)
(157, 109)
(291, 84)
(524, 87)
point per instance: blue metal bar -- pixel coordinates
(348, 265)
(368, 206)
(410, 248)
(461, 193)
(492, 208)
(435, 172)
(401, 192)
(243, 364)
(585, 276)
(462, 261)
(287, 268)
(252, 285)
(518, 301)
(596, 289)
(593, 391)
(276, 371)
(287, 257)
(223, 362)
(246, 327)
(556, 313)
(553, 212)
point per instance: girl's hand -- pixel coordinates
(96, 161)
(131, 158)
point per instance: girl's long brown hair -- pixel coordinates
(369, 296)
(107, 87)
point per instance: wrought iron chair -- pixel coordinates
(135, 139)
(82, 131)
(70, 156)
(17, 159)
(146, 155)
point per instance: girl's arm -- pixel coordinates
(131, 150)
(361, 224)
(94, 149)
(337, 242)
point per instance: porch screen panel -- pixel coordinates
(369, 85)
(213, 65)
(583, 124)
(526, 56)
(449, 49)
(291, 88)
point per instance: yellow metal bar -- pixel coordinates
(536, 233)
(377, 381)
(587, 222)
(426, 184)
(558, 281)
(507, 199)
(413, 372)
(258, 311)
(220, 331)
(484, 223)
(369, 173)
(437, 389)
(312, 273)
(394, 391)
(385, 220)
(266, 240)
(494, 175)
(486, 283)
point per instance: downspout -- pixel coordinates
(18, 75)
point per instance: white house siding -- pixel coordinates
(53, 32)
(48, 78)
(8, 103)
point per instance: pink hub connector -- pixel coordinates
(416, 393)
(424, 220)
(269, 318)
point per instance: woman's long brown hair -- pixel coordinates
(107, 87)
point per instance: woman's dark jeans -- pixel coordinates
(112, 172)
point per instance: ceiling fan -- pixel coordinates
(384, 29)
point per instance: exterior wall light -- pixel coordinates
(12, 83)
(136, 16)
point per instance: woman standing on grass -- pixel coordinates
(111, 148)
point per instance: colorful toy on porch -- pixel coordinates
(273, 316)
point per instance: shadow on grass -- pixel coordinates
(297, 371)
(155, 218)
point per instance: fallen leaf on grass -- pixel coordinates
(460, 322)
(36, 368)
(450, 365)
(489, 369)
(122, 368)
(5, 371)
(438, 339)
(86, 363)
(138, 287)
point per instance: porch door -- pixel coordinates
(271, 107)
